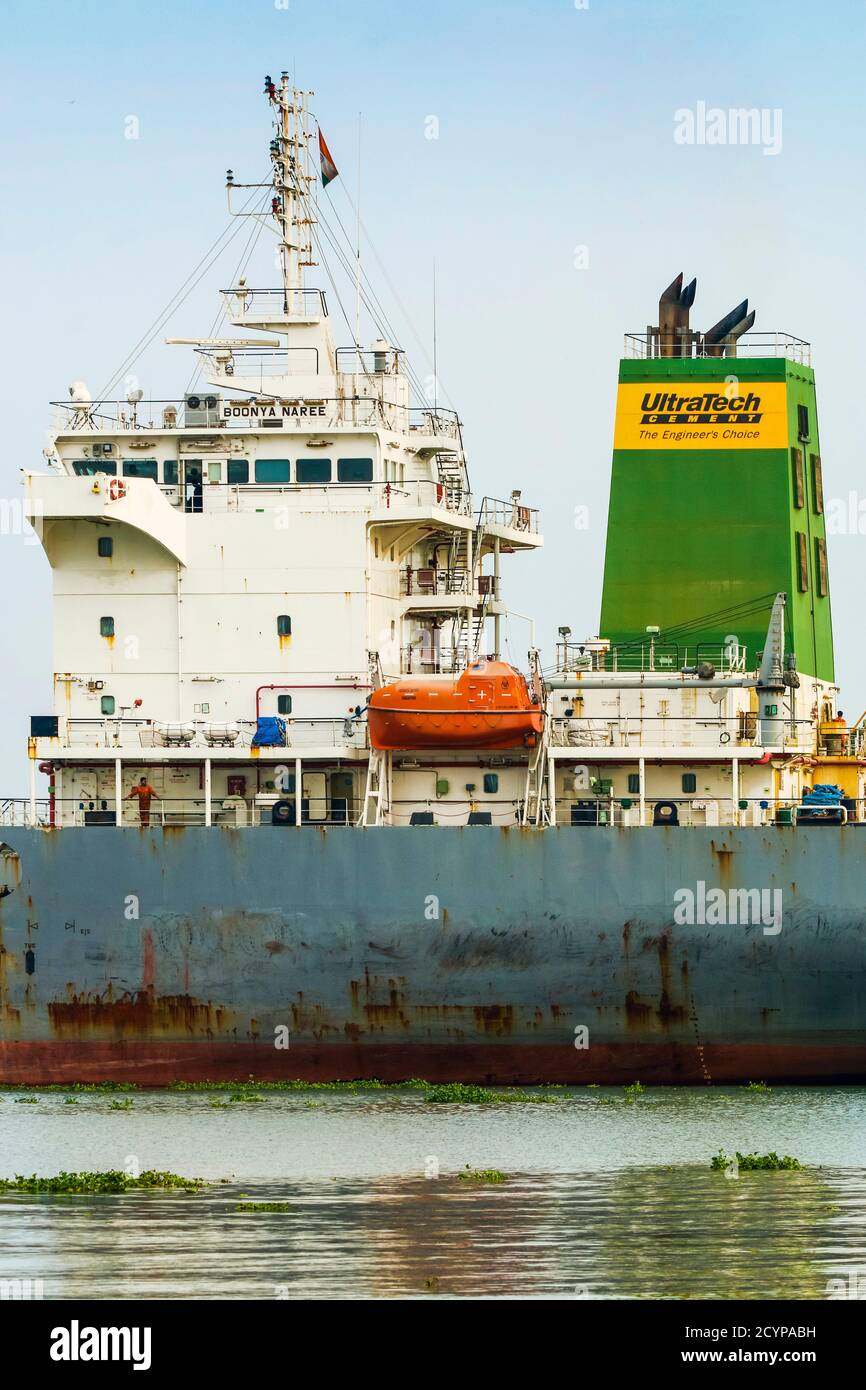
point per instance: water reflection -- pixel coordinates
(680, 1233)
(603, 1199)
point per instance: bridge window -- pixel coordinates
(284, 625)
(272, 471)
(313, 471)
(105, 547)
(169, 472)
(139, 468)
(239, 471)
(106, 627)
(284, 704)
(88, 468)
(107, 705)
(690, 782)
(355, 470)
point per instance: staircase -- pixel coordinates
(376, 807)
(451, 472)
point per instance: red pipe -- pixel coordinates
(355, 685)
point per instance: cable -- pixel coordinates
(207, 260)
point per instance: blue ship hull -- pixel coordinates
(474, 954)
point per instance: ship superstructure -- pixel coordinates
(272, 546)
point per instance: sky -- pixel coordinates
(554, 198)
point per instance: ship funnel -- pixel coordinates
(674, 305)
(721, 339)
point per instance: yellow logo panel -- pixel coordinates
(701, 415)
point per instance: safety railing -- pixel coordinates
(279, 810)
(513, 514)
(763, 344)
(689, 812)
(130, 736)
(634, 732)
(216, 413)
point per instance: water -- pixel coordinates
(602, 1199)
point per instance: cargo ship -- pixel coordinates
(293, 814)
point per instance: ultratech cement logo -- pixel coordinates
(708, 409)
(677, 415)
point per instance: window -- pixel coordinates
(817, 484)
(284, 704)
(802, 422)
(272, 471)
(821, 566)
(214, 471)
(107, 704)
(239, 471)
(284, 625)
(313, 471)
(105, 547)
(690, 782)
(354, 470)
(491, 781)
(169, 472)
(139, 468)
(106, 627)
(797, 476)
(634, 782)
(802, 562)
(88, 468)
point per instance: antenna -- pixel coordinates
(358, 249)
(435, 362)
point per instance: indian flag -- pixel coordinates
(329, 168)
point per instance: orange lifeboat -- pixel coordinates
(487, 706)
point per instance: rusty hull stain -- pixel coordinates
(142, 1014)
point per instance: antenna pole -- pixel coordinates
(358, 250)
(435, 365)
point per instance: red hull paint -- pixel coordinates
(155, 1064)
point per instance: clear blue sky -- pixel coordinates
(555, 131)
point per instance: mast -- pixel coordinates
(291, 205)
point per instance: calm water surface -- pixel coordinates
(603, 1198)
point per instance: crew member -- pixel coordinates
(145, 794)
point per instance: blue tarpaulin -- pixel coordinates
(270, 732)
(823, 794)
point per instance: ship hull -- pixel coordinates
(477, 954)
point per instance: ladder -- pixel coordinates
(536, 810)
(376, 808)
(451, 473)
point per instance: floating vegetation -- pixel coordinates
(262, 1206)
(457, 1093)
(752, 1162)
(481, 1175)
(112, 1180)
(71, 1100)
(313, 1105)
(220, 1105)
(245, 1098)
(81, 1086)
(760, 1087)
(26, 1100)
(121, 1104)
(635, 1089)
(252, 1085)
